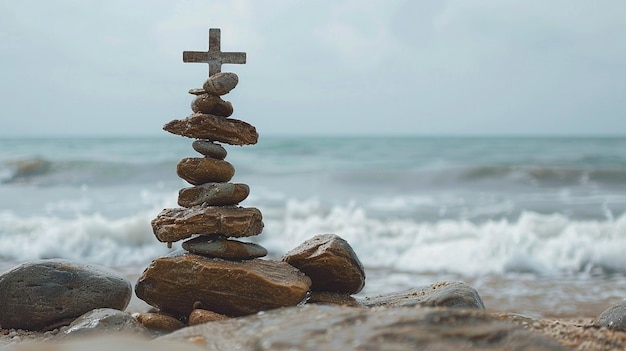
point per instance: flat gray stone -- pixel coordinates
(209, 149)
(443, 294)
(48, 293)
(103, 321)
(224, 248)
(221, 83)
(324, 327)
(613, 317)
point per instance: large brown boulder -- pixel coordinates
(183, 283)
(174, 224)
(202, 170)
(215, 128)
(330, 262)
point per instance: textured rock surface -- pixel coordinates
(226, 130)
(37, 295)
(330, 262)
(174, 224)
(202, 170)
(212, 105)
(213, 194)
(209, 149)
(183, 283)
(199, 316)
(103, 321)
(221, 83)
(613, 318)
(446, 294)
(159, 321)
(224, 248)
(329, 298)
(320, 327)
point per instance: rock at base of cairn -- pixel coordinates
(174, 224)
(213, 194)
(330, 262)
(211, 246)
(202, 126)
(183, 283)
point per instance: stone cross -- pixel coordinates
(214, 57)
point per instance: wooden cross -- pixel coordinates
(214, 57)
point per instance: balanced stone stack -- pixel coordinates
(217, 273)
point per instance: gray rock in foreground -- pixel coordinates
(613, 318)
(317, 327)
(444, 294)
(49, 293)
(103, 321)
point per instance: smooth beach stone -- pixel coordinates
(181, 284)
(209, 149)
(225, 130)
(330, 262)
(221, 83)
(613, 318)
(334, 328)
(159, 321)
(174, 224)
(224, 248)
(103, 321)
(37, 295)
(201, 170)
(200, 316)
(211, 104)
(443, 294)
(213, 194)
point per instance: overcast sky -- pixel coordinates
(357, 67)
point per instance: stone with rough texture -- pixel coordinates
(212, 105)
(224, 248)
(613, 318)
(202, 170)
(180, 284)
(103, 321)
(200, 316)
(443, 294)
(330, 262)
(221, 83)
(213, 194)
(174, 224)
(324, 327)
(209, 149)
(159, 321)
(329, 298)
(48, 293)
(226, 130)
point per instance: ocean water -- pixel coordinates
(536, 225)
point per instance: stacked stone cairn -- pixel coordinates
(216, 276)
